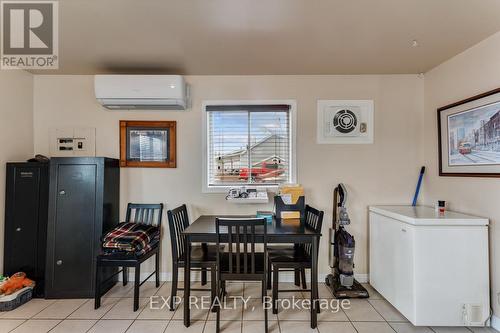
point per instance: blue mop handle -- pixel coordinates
(419, 183)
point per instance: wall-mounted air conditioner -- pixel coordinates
(143, 92)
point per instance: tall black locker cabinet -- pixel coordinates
(83, 205)
(25, 236)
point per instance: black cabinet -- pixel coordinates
(83, 205)
(26, 203)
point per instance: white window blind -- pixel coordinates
(248, 145)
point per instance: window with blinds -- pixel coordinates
(248, 145)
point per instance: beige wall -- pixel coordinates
(384, 172)
(475, 71)
(16, 128)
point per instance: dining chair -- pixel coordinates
(150, 214)
(280, 207)
(299, 257)
(203, 256)
(241, 262)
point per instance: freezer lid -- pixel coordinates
(424, 215)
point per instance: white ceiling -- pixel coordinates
(229, 37)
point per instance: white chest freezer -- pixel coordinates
(434, 269)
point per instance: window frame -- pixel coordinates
(171, 126)
(206, 188)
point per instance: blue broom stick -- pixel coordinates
(419, 183)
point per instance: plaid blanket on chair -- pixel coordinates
(131, 237)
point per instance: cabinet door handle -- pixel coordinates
(62, 192)
(59, 262)
(18, 229)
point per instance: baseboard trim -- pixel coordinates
(196, 276)
(495, 322)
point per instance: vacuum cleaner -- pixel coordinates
(341, 255)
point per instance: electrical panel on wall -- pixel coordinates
(345, 121)
(68, 141)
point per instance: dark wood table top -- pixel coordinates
(204, 228)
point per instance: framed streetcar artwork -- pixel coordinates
(469, 137)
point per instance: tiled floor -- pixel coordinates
(374, 315)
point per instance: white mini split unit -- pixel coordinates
(345, 122)
(143, 92)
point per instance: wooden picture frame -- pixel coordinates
(148, 144)
(467, 132)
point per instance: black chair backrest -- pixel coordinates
(178, 221)
(281, 206)
(240, 234)
(314, 221)
(150, 214)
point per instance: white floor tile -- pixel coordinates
(254, 311)
(36, 326)
(111, 326)
(387, 310)
(483, 330)
(409, 328)
(6, 325)
(233, 311)
(148, 326)
(197, 314)
(258, 326)
(146, 290)
(60, 309)
(451, 329)
(225, 327)
(293, 314)
(165, 290)
(156, 310)
(373, 327)
(124, 309)
(73, 326)
(374, 294)
(177, 326)
(87, 311)
(337, 327)
(296, 293)
(362, 310)
(28, 310)
(324, 291)
(119, 290)
(332, 314)
(297, 327)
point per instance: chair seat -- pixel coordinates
(127, 255)
(198, 254)
(259, 263)
(289, 255)
(279, 247)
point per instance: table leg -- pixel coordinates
(314, 282)
(204, 247)
(187, 279)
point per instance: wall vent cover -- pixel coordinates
(473, 314)
(345, 121)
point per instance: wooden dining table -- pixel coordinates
(202, 230)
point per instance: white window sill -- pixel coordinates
(225, 189)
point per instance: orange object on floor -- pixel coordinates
(16, 282)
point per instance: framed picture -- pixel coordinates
(148, 144)
(469, 137)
